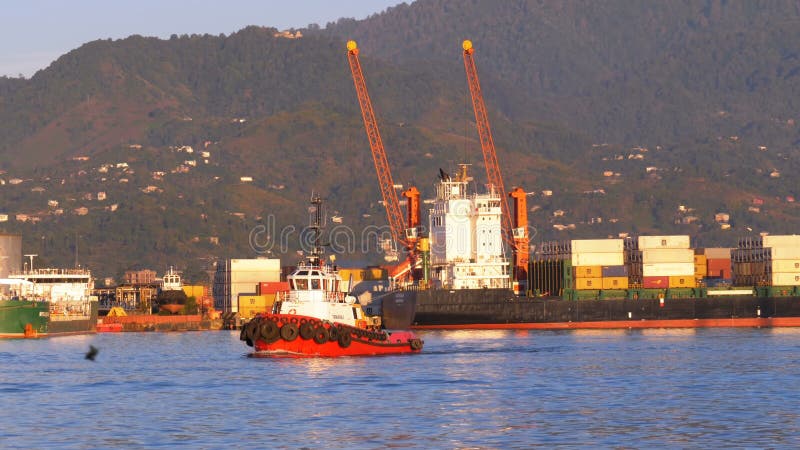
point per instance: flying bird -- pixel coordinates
(92, 353)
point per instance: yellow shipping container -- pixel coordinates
(250, 305)
(196, 291)
(682, 282)
(588, 271)
(374, 274)
(700, 270)
(356, 274)
(700, 259)
(615, 283)
(589, 283)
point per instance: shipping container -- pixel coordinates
(720, 268)
(196, 291)
(785, 266)
(598, 259)
(667, 255)
(615, 282)
(354, 274)
(375, 274)
(700, 270)
(655, 282)
(785, 253)
(785, 279)
(674, 241)
(792, 240)
(597, 245)
(588, 283)
(588, 271)
(614, 271)
(668, 269)
(700, 259)
(682, 282)
(717, 252)
(250, 305)
(272, 287)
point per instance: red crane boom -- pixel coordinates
(514, 233)
(390, 200)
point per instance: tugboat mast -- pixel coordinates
(317, 220)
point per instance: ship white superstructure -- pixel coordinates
(466, 236)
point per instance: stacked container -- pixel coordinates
(598, 264)
(767, 261)
(667, 262)
(713, 265)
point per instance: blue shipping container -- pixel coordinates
(615, 271)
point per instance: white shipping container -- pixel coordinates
(257, 264)
(667, 255)
(785, 253)
(597, 245)
(598, 259)
(786, 279)
(785, 266)
(791, 240)
(668, 270)
(717, 253)
(674, 241)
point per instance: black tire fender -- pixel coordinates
(344, 340)
(320, 335)
(416, 344)
(306, 330)
(289, 332)
(268, 331)
(333, 333)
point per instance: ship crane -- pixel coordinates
(515, 230)
(403, 232)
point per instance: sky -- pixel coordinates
(36, 32)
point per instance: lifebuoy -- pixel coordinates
(289, 332)
(306, 330)
(292, 311)
(344, 339)
(320, 335)
(416, 344)
(269, 331)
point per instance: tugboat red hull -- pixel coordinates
(294, 335)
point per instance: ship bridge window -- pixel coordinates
(315, 283)
(300, 284)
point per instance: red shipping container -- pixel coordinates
(718, 267)
(655, 282)
(272, 287)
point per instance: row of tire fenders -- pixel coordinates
(271, 328)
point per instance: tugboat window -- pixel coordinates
(315, 284)
(302, 284)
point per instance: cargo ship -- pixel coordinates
(171, 298)
(641, 282)
(48, 302)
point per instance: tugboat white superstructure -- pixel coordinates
(314, 318)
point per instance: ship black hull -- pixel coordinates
(500, 308)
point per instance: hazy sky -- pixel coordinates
(34, 33)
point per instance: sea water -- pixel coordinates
(682, 388)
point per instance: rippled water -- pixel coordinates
(666, 388)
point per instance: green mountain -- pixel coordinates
(640, 117)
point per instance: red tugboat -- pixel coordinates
(314, 318)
